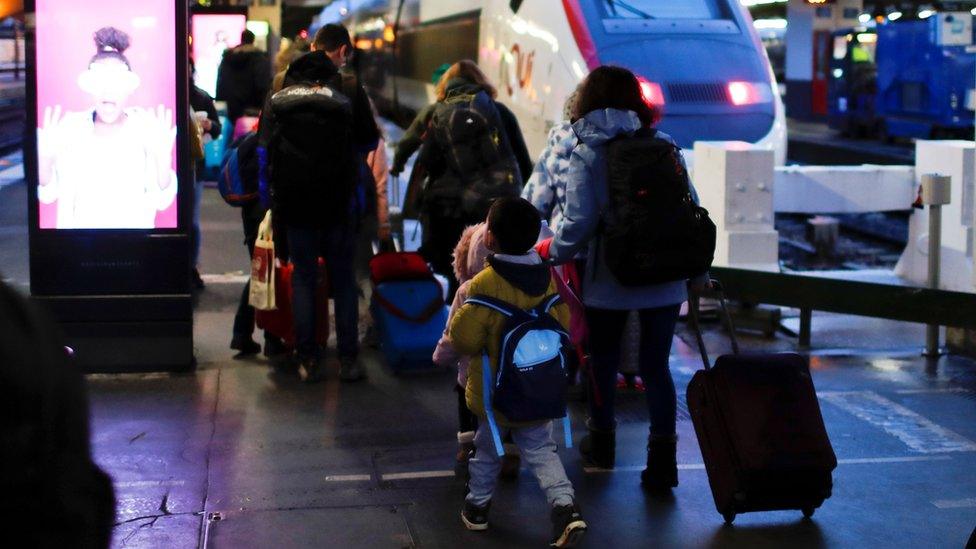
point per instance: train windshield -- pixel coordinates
(664, 9)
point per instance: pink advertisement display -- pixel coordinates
(213, 33)
(106, 102)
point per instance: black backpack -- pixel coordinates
(654, 232)
(313, 167)
(479, 162)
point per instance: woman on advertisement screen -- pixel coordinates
(111, 166)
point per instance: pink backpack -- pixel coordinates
(577, 323)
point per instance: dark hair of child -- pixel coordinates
(514, 223)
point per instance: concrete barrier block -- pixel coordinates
(844, 189)
(735, 184)
(748, 250)
(956, 159)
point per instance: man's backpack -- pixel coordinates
(312, 163)
(480, 165)
(654, 232)
(238, 181)
(531, 382)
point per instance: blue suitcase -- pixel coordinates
(410, 316)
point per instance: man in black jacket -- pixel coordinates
(314, 167)
(54, 495)
(244, 78)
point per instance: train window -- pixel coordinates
(663, 9)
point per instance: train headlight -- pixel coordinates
(651, 92)
(749, 93)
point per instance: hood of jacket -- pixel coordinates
(600, 126)
(534, 280)
(471, 253)
(243, 55)
(312, 67)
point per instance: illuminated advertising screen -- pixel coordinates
(106, 129)
(214, 33)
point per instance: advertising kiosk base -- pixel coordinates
(126, 334)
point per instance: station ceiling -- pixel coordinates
(777, 8)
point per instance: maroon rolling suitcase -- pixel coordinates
(760, 430)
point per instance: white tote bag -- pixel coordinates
(262, 296)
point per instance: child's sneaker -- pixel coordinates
(475, 518)
(568, 526)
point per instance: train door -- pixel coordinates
(823, 43)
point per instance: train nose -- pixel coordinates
(707, 91)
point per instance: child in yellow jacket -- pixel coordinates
(515, 275)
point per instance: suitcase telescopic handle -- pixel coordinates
(715, 291)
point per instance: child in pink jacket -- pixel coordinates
(470, 256)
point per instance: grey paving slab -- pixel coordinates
(159, 531)
(353, 527)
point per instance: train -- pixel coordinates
(905, 79)
(701, 61)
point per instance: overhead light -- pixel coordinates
(925, 14)
(894, 16)
(864, 17)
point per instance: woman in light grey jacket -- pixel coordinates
(611, 106)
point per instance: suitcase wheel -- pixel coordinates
(808, 512)
(729, 517)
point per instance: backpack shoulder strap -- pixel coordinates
(498, 305)
(548, 303)
(487, 384)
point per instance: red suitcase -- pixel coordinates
(760, 430)
(280, 322)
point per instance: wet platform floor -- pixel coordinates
(370, 465)
(237, 455)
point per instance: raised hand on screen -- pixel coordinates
(48, 142)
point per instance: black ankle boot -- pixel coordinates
(662, 463)
(599, 448)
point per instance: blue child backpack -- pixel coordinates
(238, 181)
(531, 383)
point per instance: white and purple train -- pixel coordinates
(700, 60)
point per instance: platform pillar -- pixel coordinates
(808, 52)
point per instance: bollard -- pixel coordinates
(824, 232)
(936, 192)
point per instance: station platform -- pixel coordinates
(239, 455)
(816, 143)
(370, 465)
